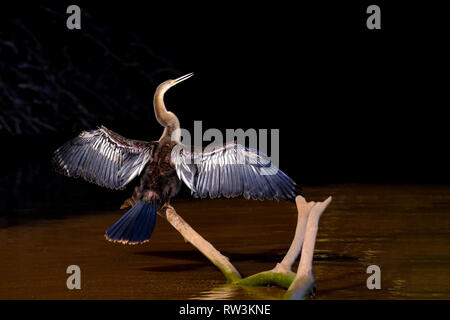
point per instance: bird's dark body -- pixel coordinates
(159, 181)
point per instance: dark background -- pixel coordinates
(353, 105)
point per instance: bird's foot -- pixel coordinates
(128, 203)
(167, 206)
(164, 207)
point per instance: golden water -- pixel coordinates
(404, 229)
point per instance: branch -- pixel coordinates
(305, 236)
(303, 209)
(303, 284)
(300, 284)
(190, 235)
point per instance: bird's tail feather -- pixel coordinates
(135, 226)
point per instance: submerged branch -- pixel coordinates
(303, 209)
(303, 285)
(190, 235)
(282, 274)
(300, 284)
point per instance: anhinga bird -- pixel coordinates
(104, 157)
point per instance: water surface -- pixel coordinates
(404, 229)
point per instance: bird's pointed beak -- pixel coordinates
(182, 78)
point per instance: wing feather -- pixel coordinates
(232, 170)
(103, 157)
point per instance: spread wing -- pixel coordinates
(232, 170)
(103, 157)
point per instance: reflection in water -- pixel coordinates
(398, 286)
(229, 291)
(221, 292)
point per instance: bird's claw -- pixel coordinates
(163, 209)
(167, 206)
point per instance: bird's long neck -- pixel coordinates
(166, 118)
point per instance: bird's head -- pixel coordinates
(166, 85)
